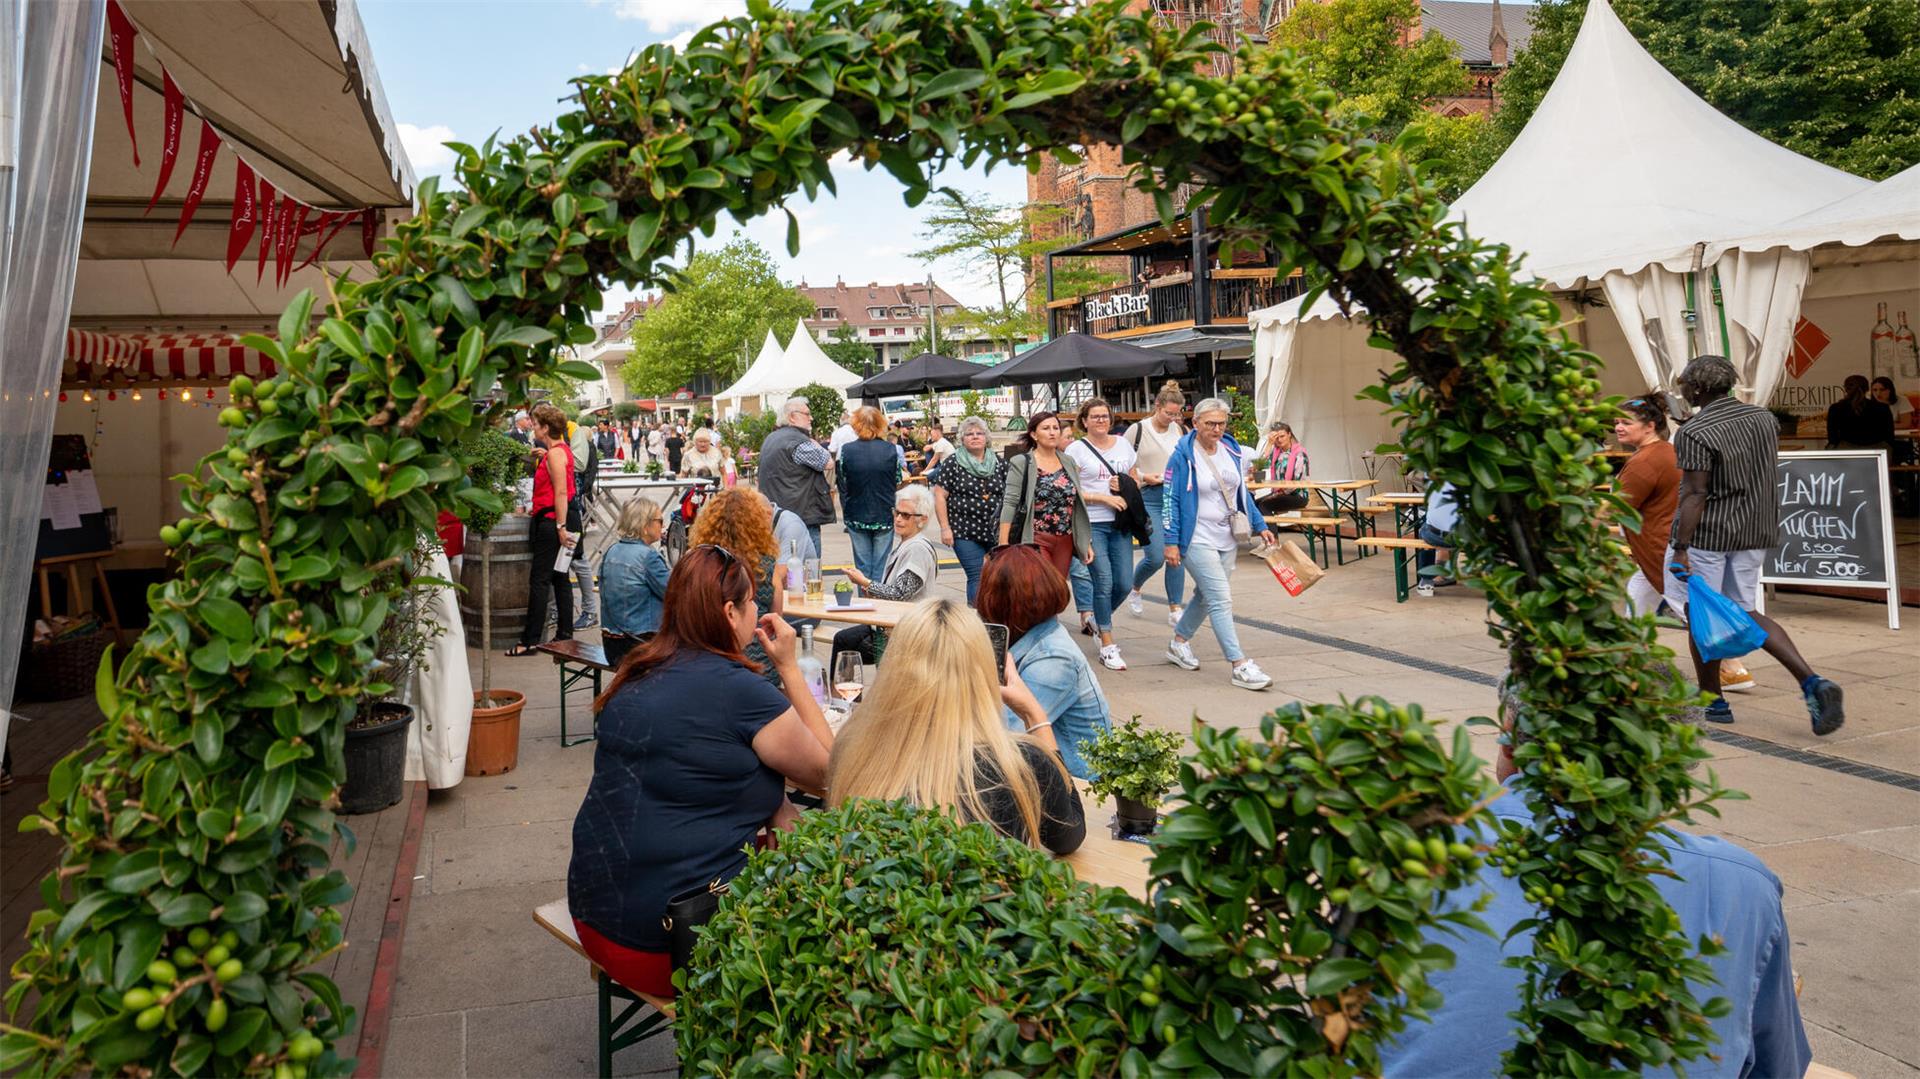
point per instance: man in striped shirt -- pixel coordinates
(1727, 519)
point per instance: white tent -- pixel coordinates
(741, 396)
(1889, 209)
(775, 375)
(1622, 179)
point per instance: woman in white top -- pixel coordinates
(705, 458)
(1153, 440)
(1102, 460)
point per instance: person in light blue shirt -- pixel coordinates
(1716, 888)
(1020, 589)
(1442, 517)
(633, 579)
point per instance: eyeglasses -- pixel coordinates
(907, 514)
(727, 559)
(1212, 425)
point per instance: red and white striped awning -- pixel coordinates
(98, 359)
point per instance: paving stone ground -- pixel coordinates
(484, 992)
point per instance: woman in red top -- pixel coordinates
(556, 516)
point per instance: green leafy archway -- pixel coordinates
(198, 815)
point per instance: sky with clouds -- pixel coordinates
(462, 71)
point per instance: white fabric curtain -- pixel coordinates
(49, 75)
(441, 693)
(1651, 307)
(1762, 292)
(1273, 345)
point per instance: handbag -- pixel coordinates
(1237, 522)
(687, 912)
(1132, 520)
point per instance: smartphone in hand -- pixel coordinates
(997, 633)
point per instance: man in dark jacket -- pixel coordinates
(793, 469)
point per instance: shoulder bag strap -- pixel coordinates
(1217, 478)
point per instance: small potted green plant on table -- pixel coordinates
(1135, 766)
(842, 592)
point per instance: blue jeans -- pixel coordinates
(1212, 598)
(1432, 535)
(971, 555)
(1080, 580)
(813, 533)
(1154, 555)
(870, 551)
(1112, 576)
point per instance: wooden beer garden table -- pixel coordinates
(1409, 508)
(1343, 496)
(884, 613)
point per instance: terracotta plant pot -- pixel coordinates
(1134, 818)
(493, 746)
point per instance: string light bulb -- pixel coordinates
(63, 397)
(113, 395)
(86, 396)
(136, 395)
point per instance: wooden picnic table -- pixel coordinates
(1343, 497)
(1409, 509)
(885, 613)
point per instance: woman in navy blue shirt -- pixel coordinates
(694, 756)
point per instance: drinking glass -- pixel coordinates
(849, 676)
(816, 588)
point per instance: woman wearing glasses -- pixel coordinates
(910, 567)
(633, 580)
(1209, 512)
(967, 491)
(694, 756)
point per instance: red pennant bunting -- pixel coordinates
(293, 214)
(268, 218)
(202, 172)
(369, 226)
(245, 211)
(330, 225)
(170, 144)
(121, 28)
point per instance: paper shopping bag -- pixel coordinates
(1292, 568)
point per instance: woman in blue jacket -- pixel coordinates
(1205, 490)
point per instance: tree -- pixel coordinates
(1838, 82)
(1363, 50)
(845, 349)
(720, 308)
(998, 241)
(827, 405)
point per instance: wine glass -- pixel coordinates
(849, 677)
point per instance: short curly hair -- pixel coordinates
(1709, 376)
(741, 520)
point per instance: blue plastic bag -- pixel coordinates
(1721, 630)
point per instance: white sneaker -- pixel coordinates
(1180, 654)
(1173, 616)
(1248, 675)
(1424, 588)
(1133, 604)
(1110, 658)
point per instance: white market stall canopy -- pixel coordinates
(1887, 210)
(776, 374)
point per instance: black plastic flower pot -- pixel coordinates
(376, 755)
(1135, 818)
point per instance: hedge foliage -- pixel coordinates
(205, 799)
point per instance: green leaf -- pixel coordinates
(579, 370)
(457, 295)
(1255, 817)
(270, 430)
(208, 737)
(295, 321)
(135, 873)
(704, 178)
(308, 567)
(793, 232)
(584, 153)
(344, 337)
(1332, 975)
(1049, 85)
(105, 693)
(640, 234)
(523, 336)
(950, 82)
(191, 909)
(284, 753)
(1352, 255)
(227, 618)
(243, 907)
(468, 218)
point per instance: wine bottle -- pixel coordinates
(1906, 355)
(1884, 359)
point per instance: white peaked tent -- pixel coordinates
(1622, 180)
(775, 374)
(741, 396)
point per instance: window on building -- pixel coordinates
(827, 312)
(876, 312)
(948, 309)
(903, 312)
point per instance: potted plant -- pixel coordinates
(655, 469)
(630, 468)
(376, 748)
(842, 592)
(493, 743)
(1135, 766)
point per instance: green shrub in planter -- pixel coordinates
(1134, 762)
(881, 939)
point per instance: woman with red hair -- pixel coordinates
(694, 756)
(1021, 590)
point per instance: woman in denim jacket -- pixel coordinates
(633, 580)
(1020, 589)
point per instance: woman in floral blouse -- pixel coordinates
(967, 489)
(1042, 496)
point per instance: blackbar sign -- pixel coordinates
(1836, 523)
(1127, 303)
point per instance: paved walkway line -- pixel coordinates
(372, 1050)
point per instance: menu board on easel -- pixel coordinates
(72, 520)
(1836, 524)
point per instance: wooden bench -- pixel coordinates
(1315, 529)
(578, 662)
(615, 1032)
(1399, 545)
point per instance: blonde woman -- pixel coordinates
(931, 732)
(633, 580)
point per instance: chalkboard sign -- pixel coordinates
(1836, 523)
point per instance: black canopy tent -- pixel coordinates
(926, 373)
(1072, 357)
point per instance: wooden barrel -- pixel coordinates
(509, 549)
